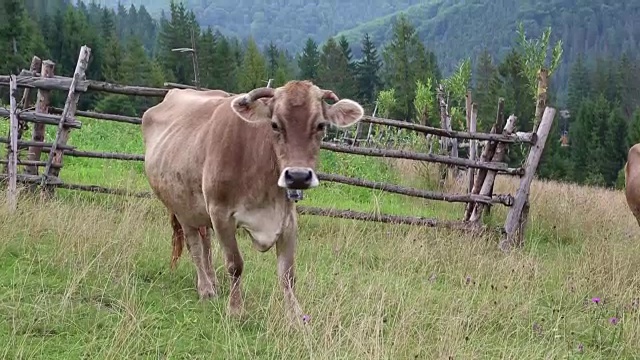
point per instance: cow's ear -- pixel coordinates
(344, 113)
(258, 110)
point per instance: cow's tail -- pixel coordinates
(177, 241)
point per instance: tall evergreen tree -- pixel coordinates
(309, 61)
(367, 71)
(253, 72)
(405, 61)
(333, 72)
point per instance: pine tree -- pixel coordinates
(309, 61)
(367, 71)
(485, 94)
(253, 72)
(405, 61)
(333, 72)
(579, 85)
(14, 41)
(633, 134)
(615, 150)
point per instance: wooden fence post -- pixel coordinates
(42, 107)
(12, 167)
(516, 218)
(489, 180)
(487, 155)
(55, 154)
(35, 64)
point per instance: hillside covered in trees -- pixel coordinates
(286, 23)
(401, 72)
(460, 29)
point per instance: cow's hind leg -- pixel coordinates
(201, 255)
(225, 229)
(205, 236)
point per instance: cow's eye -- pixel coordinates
(274, 126)
(321, 126)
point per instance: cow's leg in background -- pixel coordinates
(225, 229)
(198, 250)
(205, 236)
(285, 252)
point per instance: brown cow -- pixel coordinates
(632, 180)
(226, 162)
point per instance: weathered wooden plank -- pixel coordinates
(513, 230)
(45, 119)
(104, 155)
(391, 219)
(101, 116)
(39, 144)
(29, 163)
(28, 80)
(402, 154)
(396, 189)
(126, 89)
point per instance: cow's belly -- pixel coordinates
(265, 225)
(179, 189)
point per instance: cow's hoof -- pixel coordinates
(236, 309)
(207, 294)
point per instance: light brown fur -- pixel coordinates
(223, 162)
(632, 180)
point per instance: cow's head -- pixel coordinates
(298, 116)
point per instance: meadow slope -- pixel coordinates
(87, 276)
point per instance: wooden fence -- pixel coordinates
(481, 172)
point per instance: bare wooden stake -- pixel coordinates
(55, 155)
(473, 147)
(514, 231)
(42, 107)
(12, 190)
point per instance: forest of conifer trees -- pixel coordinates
(130, 47)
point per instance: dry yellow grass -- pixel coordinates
(91, 279)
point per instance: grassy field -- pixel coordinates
(87, 276)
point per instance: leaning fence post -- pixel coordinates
(12, 168)
(70, 105)
(513, 228)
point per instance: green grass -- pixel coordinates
(87, 276)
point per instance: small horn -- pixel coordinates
(330, 95)
(256, 94)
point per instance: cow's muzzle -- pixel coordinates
(298, 178)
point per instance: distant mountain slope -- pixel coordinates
(287, 23)
(457, 29)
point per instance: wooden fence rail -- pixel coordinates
(481, 172)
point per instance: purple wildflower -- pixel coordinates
(306, 319)
(595, 300)
(613, 321)
(468, 279)
(580, 348)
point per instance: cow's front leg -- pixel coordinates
(285, 252)
(226, 231)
